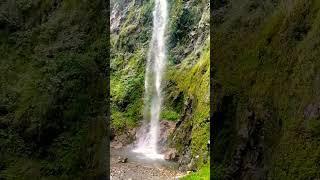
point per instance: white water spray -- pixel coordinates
(147, 142)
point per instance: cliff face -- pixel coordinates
(186, 82)
(52, 93)
(266, 74)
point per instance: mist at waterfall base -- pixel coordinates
(156, 61)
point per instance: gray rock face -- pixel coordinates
(118, 14)
(185, 160)
(247, 162)
(181, 137)
(124, 139)
(166, 129)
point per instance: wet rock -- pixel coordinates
(184, 160)
(192, 165)
(181, 136)
(119, 159)
(171, 154)
(247, 161)
(122, 159)
(132, 132)
(119, 141)
(166, 129)
(116, 145)
(118, 14)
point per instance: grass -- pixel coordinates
(170, 115)
(202, 174)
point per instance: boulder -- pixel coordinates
(171, 154)
(122, 140)
(166, 128)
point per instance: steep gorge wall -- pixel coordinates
(187, 76)
(266, 76)
(53, 58)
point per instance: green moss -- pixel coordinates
(202, 174)
(274, 73)
(194, 81)
(53, 91)
(126, 90)
(118, 120)
(22, 168)
(169, 115)
(187, 76)
(128, 57)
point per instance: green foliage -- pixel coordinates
(183, 18)
(53, 91)
(22, 169)
(264, 59)
(187, 76)
(193, 82)
(127, 82)
(169, 115)
(313, 125)
(183, 21)
(128, 56)
(202, 174)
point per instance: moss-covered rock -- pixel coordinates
(266, 73)
(53, 89)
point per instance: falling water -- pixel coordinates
(147, 142)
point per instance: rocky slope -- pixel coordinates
(187, 76)
(266, 75)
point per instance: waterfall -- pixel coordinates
(156, 61)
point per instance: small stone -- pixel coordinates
(124, 160)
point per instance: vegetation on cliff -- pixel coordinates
(53, 87)
(186, 83)
(266, 74)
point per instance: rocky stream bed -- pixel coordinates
(128, 165)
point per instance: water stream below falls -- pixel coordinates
(141, 159)
(147, 143)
